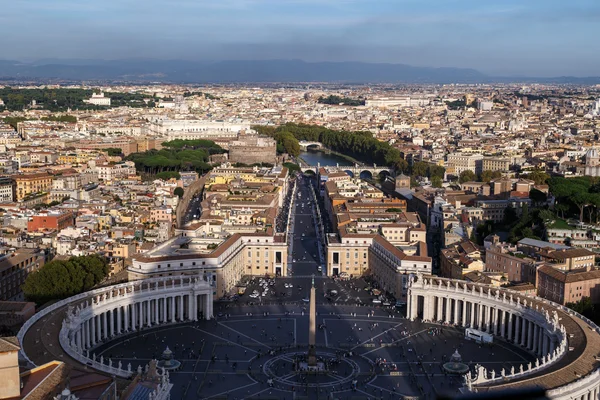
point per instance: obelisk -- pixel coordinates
(312, 326)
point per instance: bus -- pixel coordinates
(478, 336)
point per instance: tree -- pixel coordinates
(539, 177)
(510, 215)
(488, 175)
(292, 167)
(466, 176)
(420, 169)
(436, 181)
(113, 151)
(401, 165)
(436, 170)
(537, 196)
(60, 279)
(178, 191)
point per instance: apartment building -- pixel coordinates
(459, 162)
(460, 259)
(50, 221)
(564, 287)
(27, 184)
(14, 268)
(506, 259)
(7, 190)
(496, 164)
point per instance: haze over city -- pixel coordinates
(538, 38)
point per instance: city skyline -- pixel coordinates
(510, 39)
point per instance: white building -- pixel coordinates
(461, 162)
(196, 129)
(98, 99)
(484, 105)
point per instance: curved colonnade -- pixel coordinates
(102, 315)
(564, 343)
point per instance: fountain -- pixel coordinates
(455, 365)
(167, 362)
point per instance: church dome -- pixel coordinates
(591, 153)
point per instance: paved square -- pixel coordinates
(369, 354)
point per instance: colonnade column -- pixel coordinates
(173, 308)
(87, 334)
(480, 326)
(502, 323)
(517, 328)
(149, 312)
(472, 315)
(126, 317)
(119, 324)
(133, 317)
(535, 339)
(463, 317)
(156, 314)
(523, 330)
(112, 322)
(207, 306)
(510, 325)
(529, 343)
(181, 308)
(141, 311)
(456, 304)
(438, 316)
(104, 326)
(164, 310)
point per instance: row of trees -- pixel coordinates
(60, 279)
(356, 144)
(206, 95)
(61, 118)
(180, 155)
(179, 144)
(338, 100)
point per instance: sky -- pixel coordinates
(502, 38)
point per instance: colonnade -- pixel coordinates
(500, 319)
(121, 309)
(527, 321)
(123, 318)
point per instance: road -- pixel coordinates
(193, 211)
(303, 233)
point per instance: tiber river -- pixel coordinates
(313, 157)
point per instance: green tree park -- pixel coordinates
(338, 100)
(60, 279)
(62, 99)
(177, 155)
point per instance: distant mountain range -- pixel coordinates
(262, 71)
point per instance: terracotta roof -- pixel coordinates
(569, 276)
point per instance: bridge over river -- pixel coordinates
(355, 170)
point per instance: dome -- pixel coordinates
(591, 153)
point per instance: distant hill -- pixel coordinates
(234, 71)
(179, 71)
